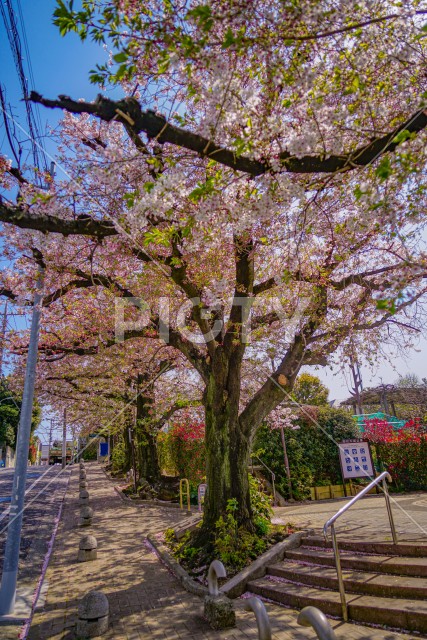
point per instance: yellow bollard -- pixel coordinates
(188, 493)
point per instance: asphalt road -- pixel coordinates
(45, 489)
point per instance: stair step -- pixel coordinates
(398, 613)
(368, 583)
(413, 550)
(395, 565)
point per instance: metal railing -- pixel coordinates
(273, 475)
(308, 617)
(330, 524)
(216, 570)
(313, 617)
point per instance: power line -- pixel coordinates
(33, 120)
(29, 65)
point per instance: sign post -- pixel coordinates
(201, 492)
(356, 460)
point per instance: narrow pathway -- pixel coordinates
(146, 601)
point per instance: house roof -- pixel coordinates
(392, 393)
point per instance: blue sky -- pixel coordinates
(62, 65)
(59, 65)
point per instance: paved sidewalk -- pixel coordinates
(366, 520)
(146, 601)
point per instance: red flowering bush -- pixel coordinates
(32, 454)
(183, 448)
(403, 452)
(377, 430)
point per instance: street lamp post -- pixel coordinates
(13, 542)
(288, 470)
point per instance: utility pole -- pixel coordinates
(13, 541)
(282, 435)
(73, 444)
(132, 446)
(3, 337)
(358, 385)
(64, 440)
(287, 468)
(50, 441)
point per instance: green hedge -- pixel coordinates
(313, 456)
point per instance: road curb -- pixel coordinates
(164, 556)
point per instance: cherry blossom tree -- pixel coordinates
(126, 388)
(264, 172)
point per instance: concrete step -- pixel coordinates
(398, 613)
(413, 550)
(394, 565)
(367, 583)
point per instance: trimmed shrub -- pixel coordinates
(312, 452)
(182, 449)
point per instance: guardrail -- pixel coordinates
(331, 522)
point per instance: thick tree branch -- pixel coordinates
(345, 330)
(177, 406)
(242, 299)
(179, 275)
(98, 279)
(278, 386)
(7, 293)
(157, 127)
(265, 286)
(153, 331)
(350, 27)
(360, 279)
(85, 226)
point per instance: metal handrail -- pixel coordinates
(308, 617)
(216, 570)
(330, 524)
(313, 617)
(273, 476)
(261, 616)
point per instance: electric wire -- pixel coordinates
(33, 117)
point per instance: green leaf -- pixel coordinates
(228, 39)
(203, 16)
(120, 57)
(121, 72)
(401, 136)
(358, 193)
(157, 236)
(202, 190)
(386, 305)
(384, 169)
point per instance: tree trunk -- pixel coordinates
(146, 440)
(147, 458)
(227, 447)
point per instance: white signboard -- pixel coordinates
(201, 492)
(356, 459)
